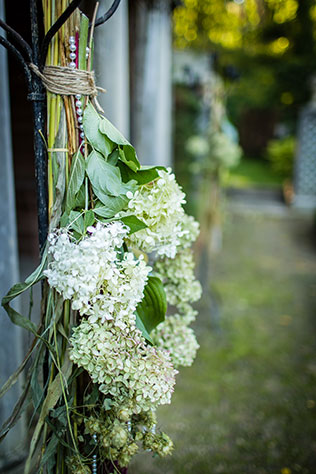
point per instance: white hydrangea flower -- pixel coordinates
(174, 336)
(123, 365)
(91, 273)
(188, 314)
(177, 275)
(190, 230)
(159, 205)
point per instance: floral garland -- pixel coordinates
(109, 352)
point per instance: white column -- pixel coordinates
(10, 335)
(112, 65)
(151, 82)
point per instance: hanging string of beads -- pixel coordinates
(73, 47)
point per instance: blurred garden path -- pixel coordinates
(248, 404)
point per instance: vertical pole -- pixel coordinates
(112, 65)
(38, 98)
(10, 335)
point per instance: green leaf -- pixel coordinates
(58, 161)
(141, 327)
(104, 178)
(83, 41)
(37, 389)
(17, 290)
(80, 198)
(75, 180)
(88, 219)
(142, 176)
(111, 205)
(113, 157)
(91, 121)
(133, 223)
(127, 152)
(128, 156)
(14, 377)
(54, 392)
(152, 309)
(76, 222)
(50, 450)
(16, 413)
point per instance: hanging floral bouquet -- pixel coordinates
(104, 355)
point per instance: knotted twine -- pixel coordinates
(67, 81)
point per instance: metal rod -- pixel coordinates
(38, 98)
(4, 42)
(18, 39)
(108, 14)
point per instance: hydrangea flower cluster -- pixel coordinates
(174, 336)
(158, 443)
(159, 205)
(92, 275)
(105, 282)
(121, 440)
(177, 275)
(123, 365)
(190, 230)
(188, 314)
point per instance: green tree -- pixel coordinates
(270, 42)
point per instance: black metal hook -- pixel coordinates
(18, 39)
(10, 47)
(108, 14)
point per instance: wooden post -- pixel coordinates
(151, 86)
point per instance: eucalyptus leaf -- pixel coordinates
(76, 179)
(91, 121)
(152, 309)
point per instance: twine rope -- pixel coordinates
(67, 81)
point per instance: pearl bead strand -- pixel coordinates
(78, 97)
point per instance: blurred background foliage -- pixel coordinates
(264, 50)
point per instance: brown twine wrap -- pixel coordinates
(67, 81)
